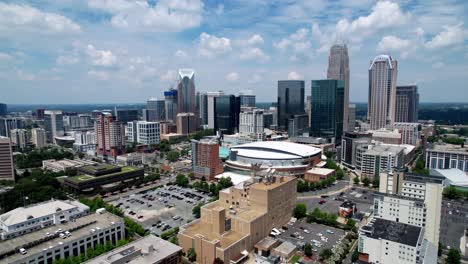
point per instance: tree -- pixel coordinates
(351, 224)
(326, 254)
(191, 254)
(376, 182)
(218, 261)
(355, 256)
(300, 211)
(182, 180)
(339, 174)
(308, 249)
(356, 180)
(453, 257)
(451, 192)
(196, 211)
(366, 181)
(172, 156)
(439, 249)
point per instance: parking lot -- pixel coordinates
(454, 221)
(319, 236)
(161, 209)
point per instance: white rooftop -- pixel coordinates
(236, 178)
(321, 171)
(22, 214)
(275, 150)
(454, 176)
(186, 73)
(382, 58)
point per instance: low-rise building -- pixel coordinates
(285, 251)
(63, 240)
(23, 220)
(447, 156)
(137, 158)
(409, 132)
(318, 174)
(375, 158)
(244, 214)
(453, 177)
(347, 209)
(147, 250)
(386, 136)
(62, 165)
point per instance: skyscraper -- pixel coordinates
(126, 115)
(227, 110)
(170, 107)
(247, 98)
(53, 122)
(327, 99)
(338, 69)
(186, 91)
(211, 107)
(38, 137)
(290, 101)
(155, 110)
(382, 91)
(203, 108)
(407, 104)
(19, 138)
(351, 117)
(7, 124)
(3, 109)
(7, 171)
(205, 159)
(110, 135)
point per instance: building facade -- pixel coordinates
(19, 138)
(247, 99)
(447, 156)
(186, 123)
(186, 91)
(126, 115)
(38, 137)
(8, 124)
(205, 159)
(227, 110)
(251, 122)
(351, 117)
(386, 136)
(143, 132)
(155, 110)
(170, 105)
(382, 91)
(211, 114)
(7, 171)
(290, 101)
(338, 69)
(327, 104)
(53, 122)
(409, 132)
(407, 104)
(349, 144)
(3, 109)
(110, 136)
(373, 159)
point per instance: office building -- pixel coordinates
(244, 215)
(38, 137)
(349, 144)
(74, 122)
(170, 105)
(247, 98)
(211, 107)
(386, 136)
(53, 122)
(384, 241)
(307, 107)
(375, 158)
(40, 114)
(351, 117)
(326, 118)
(298, 125)
(8, 124)
(110, 136)
(155, 110)
(186, 91)
(7, 171)
(447, 156)
(227, 110)
(251, 122)
(318, 174)
(19, 138)
(407, 104)
(290, 101)
(94, 176)
(186, 123)
(47, 245)
(137, 159)
(338, 69)
(382, 91)
(148, 250)
(143, 132)
(85, 141)
(205, 159)
(409, 132)
(3, 109)
(126, 115)
(24, 220)
(203, 108)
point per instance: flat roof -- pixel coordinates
(456, 177)
(236, 178)
(152, 249)
(88, 222)
(393, 231)
(445, 147)
(266, 243)
(286, 248)
(276, 150)
(321, 171)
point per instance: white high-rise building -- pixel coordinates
(409, 132)
(19, 137)
(85, 138)
(38, 137)
(251, 122)
(53, 121)
(338, 69)
(143, 132)
(382, 91)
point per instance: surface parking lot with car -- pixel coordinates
(162, 209)
(319, 236)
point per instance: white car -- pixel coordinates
(23, 251)
(306, 231)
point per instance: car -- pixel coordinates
(324, 196)
(364, 191)
(306, 231)
(62, 235)
(341, 194)
(329, 231)
(23, 251)
(322, 201)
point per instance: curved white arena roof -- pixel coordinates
(276, 150)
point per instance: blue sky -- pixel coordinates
(106, 51)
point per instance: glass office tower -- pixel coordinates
(290, 101)
(227, 109)
(327, 100)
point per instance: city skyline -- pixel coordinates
(132, 52)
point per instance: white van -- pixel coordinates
(23, 251)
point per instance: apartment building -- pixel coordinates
(371, 159)
(409, 132)
(205, 159)
(7, 171)
(447, 156)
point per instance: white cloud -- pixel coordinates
(295, 76)
(451, 35)
(23, 76)
(14, 18)
(211, 46)
(293, 40)
(232, 77)
(180, 54)
(101, 57)
(5, 56)
(100, 75)
(253, 54)
(255, 78)
(255, 40)
(438, 65)
(394, 44)
(164, 16)
(67, 60)
(168, 76)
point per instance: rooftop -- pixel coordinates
(321, 171)
(149, 249)
(384, 149)
(455, 177)
(236, 178)
(393, 231)
(37, 241)
(276, 150)
(286, 248)
(444, 147)
(22, 214)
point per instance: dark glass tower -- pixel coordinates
(290, 101)
(327, 100)
(407, 104)
(227, 109)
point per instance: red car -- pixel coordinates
(322, 201)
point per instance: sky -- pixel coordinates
(120, 51)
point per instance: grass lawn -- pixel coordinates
(295, 259)
(81, 178)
